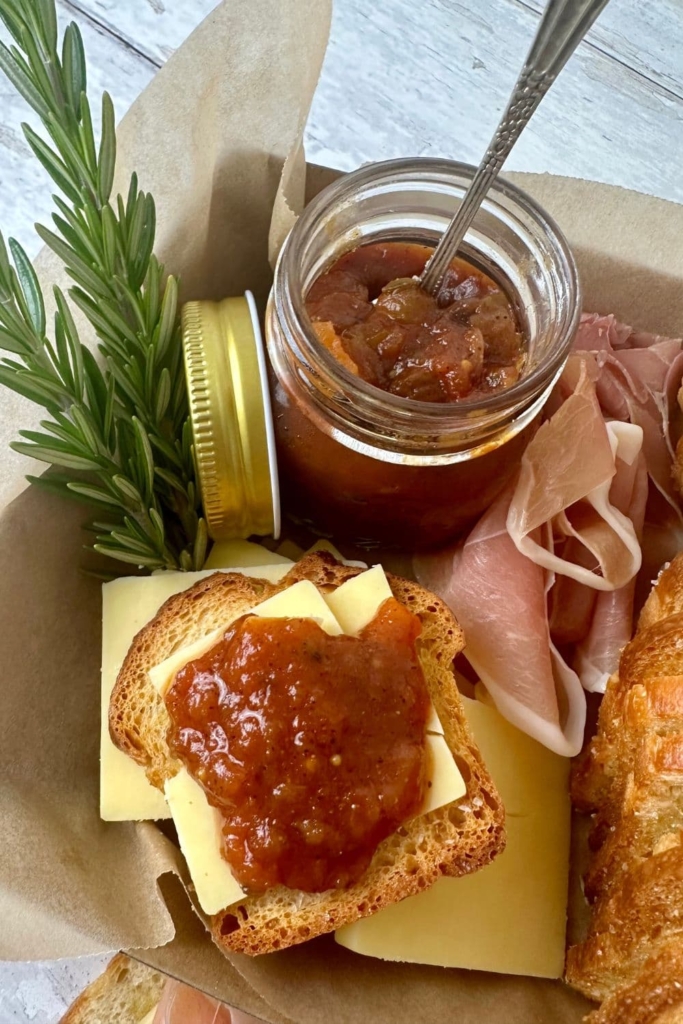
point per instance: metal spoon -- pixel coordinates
(562, 27)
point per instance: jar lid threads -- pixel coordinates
(231, 417)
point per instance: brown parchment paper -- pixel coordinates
(210, 138)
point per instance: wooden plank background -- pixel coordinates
(402, 77)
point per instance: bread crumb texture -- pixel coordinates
(453, 840)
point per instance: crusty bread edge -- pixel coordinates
(107, 988)
(326, 573)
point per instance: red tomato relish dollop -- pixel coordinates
(371, 313)
(311, 746)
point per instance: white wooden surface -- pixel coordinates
(401, 78)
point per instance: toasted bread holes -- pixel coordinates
(451, 840)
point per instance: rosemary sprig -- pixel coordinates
(117, 428)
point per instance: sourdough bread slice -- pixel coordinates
(456, 839)
(124, 994)
(630, 924)
(655, 996)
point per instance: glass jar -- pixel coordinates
(369, 466)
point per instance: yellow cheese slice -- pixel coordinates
(149, 1017)
(301, 601)
(433, 723)
(445, 784)
(199, 827)
(288, 549)
(357, 601)
(510, 917)
(198, 823)
(127, 605)
(241, 554)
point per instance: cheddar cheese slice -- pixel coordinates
(510, 917)
(197, 822)
(127, 605)
(357, 601)
(300, 601)
(242, 554)
(199, 828)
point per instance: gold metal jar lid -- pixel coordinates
(231, 416)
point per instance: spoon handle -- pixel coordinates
(561, 29)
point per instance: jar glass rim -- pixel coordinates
(503, 196)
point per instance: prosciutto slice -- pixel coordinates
(499, 597)
(181, 1004)
(544, 585)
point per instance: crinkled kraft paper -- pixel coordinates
(210, 138)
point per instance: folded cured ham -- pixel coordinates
(544, 584)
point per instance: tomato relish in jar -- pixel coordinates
(369, 310)
(399, 419)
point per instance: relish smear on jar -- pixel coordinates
(311, 746)
(369, 310)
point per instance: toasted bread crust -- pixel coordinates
(631, 781)
(123, 994)
(452, 840)
(655, 996)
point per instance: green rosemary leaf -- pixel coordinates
(52, 483)
(103, 316)
(54, 456)
(158, 526)
(96, 390)
(73, 62)
(73, 232)
(163, 394)
(55, 167)
(126, 385)
(101, 575)
(70, 153)
(75, 349)
(134, 303)
(141, 238)
(110, 247)
(38, 67)
(140, 258)
(132, 544)
(145, 452)
(87, 139)
(77, 267)
(29, 286)
(96, 495)
(28, 387)
(11, 343)
(120, 432)
(64, 487)
(63, 361)
(168, 319)
(87, 429)
(128, 556)
(102, 527)
(170, 478)
(64, 431)
(11, 17)
(21, 81)
(131, 200)
(168, 450)
(5, 285)
(48, 17)
(128, 491)
(107, 154)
